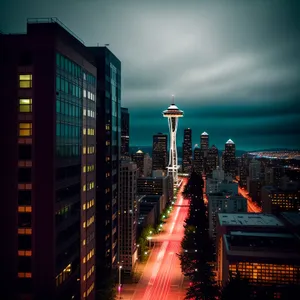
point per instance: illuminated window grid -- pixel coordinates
(90, 289)
(89, 204)
(24, 275)
(24, 208)
(266, 273)
(24, 252)
(63, 275)
(89, 222)
(25, 81)
(25, 129)
(25, 231)
(25, 105)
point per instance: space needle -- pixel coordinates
(173, 113)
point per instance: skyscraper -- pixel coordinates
(139, 158)
(212, 159)
(187, 153)
(160, 152)
(229, 158)
(107, 158)
(198, 161)
(173, 113)
(128, 215)
(50, 121)
(204, 142)
(124, 132)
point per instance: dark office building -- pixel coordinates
(204, 142)
(244, 171)
(198, 162)
(108, 137)
(50, 121)
(212, 160)
(187, 153)
(229, 158)
(139, 159)
(159, 152)
(124, 132)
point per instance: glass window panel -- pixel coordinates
(58, 129)
(57, 83)
(62, 62)
(66, 86)
(62, 84)
(57, 106)
(25, 105)
(57, 59)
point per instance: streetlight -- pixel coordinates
(120, 268)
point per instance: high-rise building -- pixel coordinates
(50, 122)
(198, 161)
(155, 186)
(173, 113)
(124, 132)
(147, 165)
(204, 142)
(187, 153)
(107, 157)
(160, 152)
(243, 171)
(128, 215)
(139, 158)
(229, 158)
(254, 170)
(212, 159)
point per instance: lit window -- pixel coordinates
(25, 105)
(24, 209)
(24, 275)
(25, 129)
(24, 252)
(25, 81)
(84, 131)
(84, 206)
(84, 150)
(84, 224)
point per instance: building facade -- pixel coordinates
(204, 142)
(160, 152)
(187, 153)
(198, 161)
(212, 160)
(139, 159)
(125, 122)
(108, 136)
(229, 158)
(50, 121)
(128, 215)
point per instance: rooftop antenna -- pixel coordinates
(106, 45)
(173, 99)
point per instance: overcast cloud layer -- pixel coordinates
(234, 66)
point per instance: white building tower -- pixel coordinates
(173, 113)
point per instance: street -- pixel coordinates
(252, 207)
(162, 278)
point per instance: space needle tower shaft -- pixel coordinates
(173, 113)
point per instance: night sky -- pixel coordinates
(234, 66)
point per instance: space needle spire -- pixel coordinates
(173, 113)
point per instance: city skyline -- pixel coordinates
(233, 78)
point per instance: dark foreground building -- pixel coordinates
(107, 158)
(49, 118)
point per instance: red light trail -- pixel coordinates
(162, 278)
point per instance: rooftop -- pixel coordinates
(204, 133)
(292, 217)
(139, 151)
(249, 219)
(230, 142)
(261, 244)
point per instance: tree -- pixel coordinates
(237, 288)
(196, 254)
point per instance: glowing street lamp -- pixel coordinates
(119, 288)
(149, 238)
